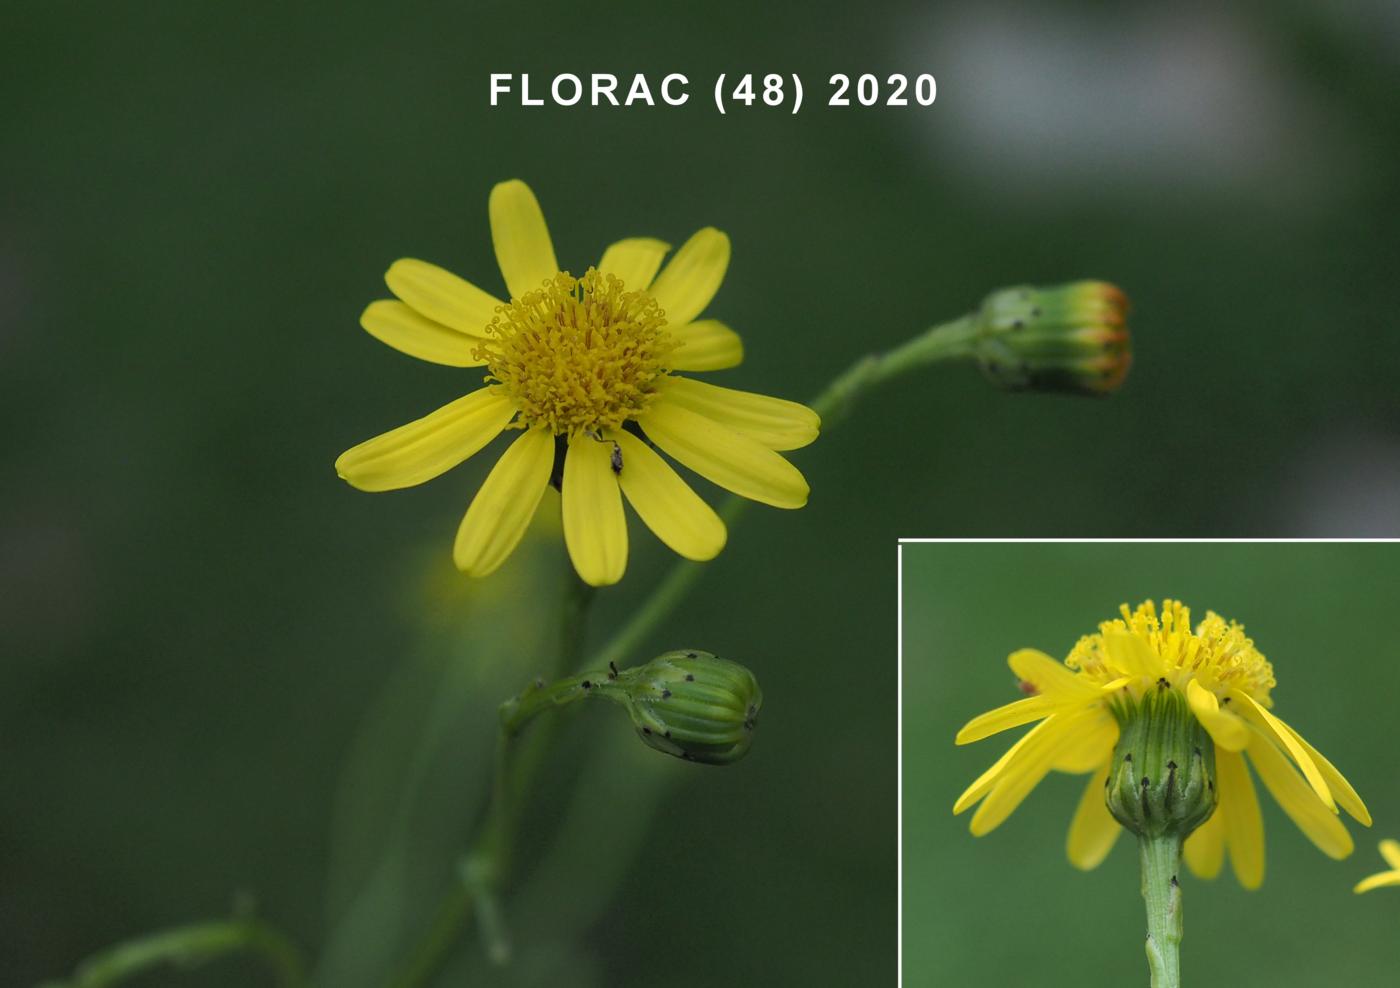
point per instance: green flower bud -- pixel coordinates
(1071, 338)
(1163, 778)
(687, 703)
(690, 704)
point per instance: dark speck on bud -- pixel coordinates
(1070, 338)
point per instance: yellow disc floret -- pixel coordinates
(579, 354)
(1217, 654)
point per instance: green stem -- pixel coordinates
(948, 341)
(1161, 861)
(482, 868)
(188, 946)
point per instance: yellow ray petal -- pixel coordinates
(441, 296)
(773, 422)
(634, 261)
(1089, 746)
(502, 509)
(1004, 718)
(523, 248)
(686, 285)
(665, 502)
(1227, 730)
(706, 345)
(1205, 848)
(395, 323)
(722, 456)
(1093, 830)
(1390, 850)
(1341, 789)
(1376, 881)
(427, 447)
(1050, 678)
(984, 782)
(595, 530)
(1279, 732)
(1318, 822)
(1244, 827)
(1023, 774)
(1131, 655)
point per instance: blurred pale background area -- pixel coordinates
(217, 678)
(1008, 908)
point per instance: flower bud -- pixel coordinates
(1071, 338)
(1162, 782)
(690, 704)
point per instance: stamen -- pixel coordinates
(578, 355)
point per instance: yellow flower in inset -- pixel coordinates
(1390, 850)
(583, 367)
(1221, 682)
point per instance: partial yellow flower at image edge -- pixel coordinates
(585, 369)
(1222, 684)
(1390, 850)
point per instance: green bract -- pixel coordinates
(1162, 782)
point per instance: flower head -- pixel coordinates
(1089, 711)
(585, 369)
(1390, 850)
(1071, 338)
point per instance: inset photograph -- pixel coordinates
(1149, 757)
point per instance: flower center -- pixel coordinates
(1217, 654)
(578, 354)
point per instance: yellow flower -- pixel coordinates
(1225, 683)
(584, 368)
(1390, 850)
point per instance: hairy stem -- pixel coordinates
(1161, 860)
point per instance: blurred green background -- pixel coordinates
(216, 675)
(1008, 908)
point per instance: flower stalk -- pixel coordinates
(1161, 891)
(482, 869)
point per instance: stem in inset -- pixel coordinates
(1161, 861)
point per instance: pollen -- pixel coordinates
(579, 354)
(1216, 653)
